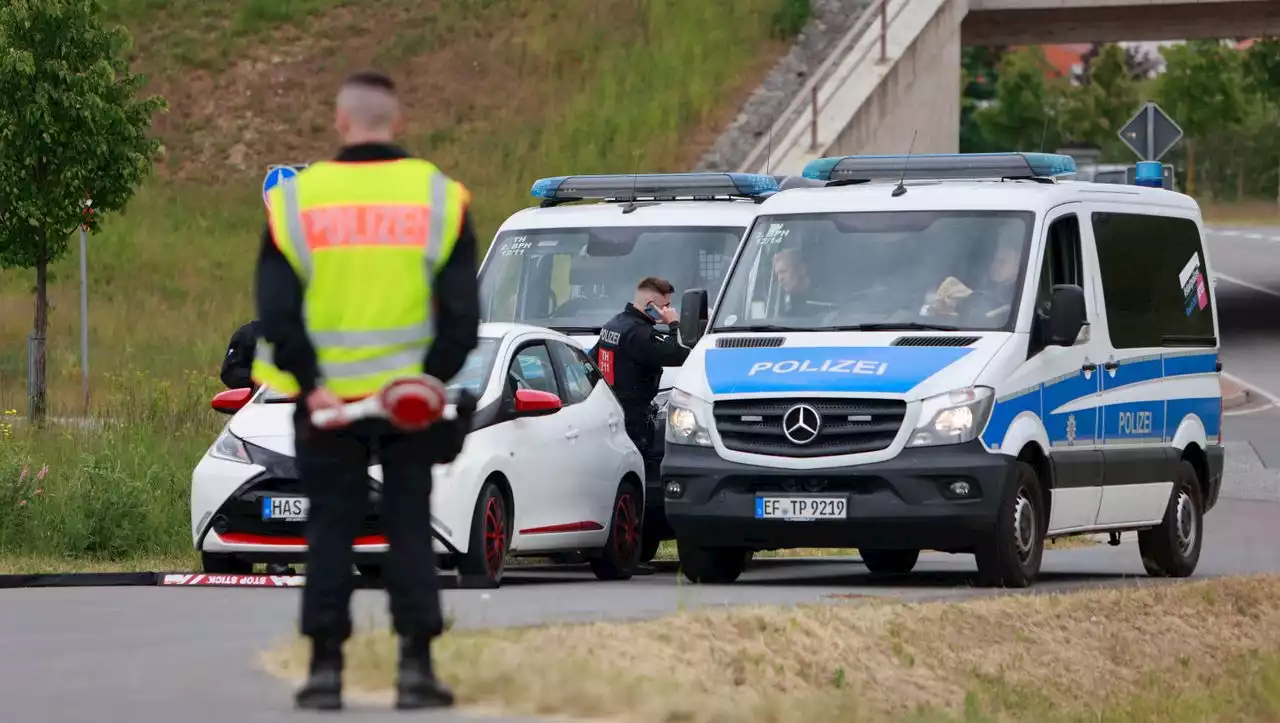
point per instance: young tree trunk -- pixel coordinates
(1191, 167)
(39, 397)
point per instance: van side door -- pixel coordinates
(1152, 269)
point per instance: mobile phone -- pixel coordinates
(652, 311)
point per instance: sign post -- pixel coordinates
(1150, 133)
(84, 306)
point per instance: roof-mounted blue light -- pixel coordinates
(940, 166)
(625, 186)
(1149, 174)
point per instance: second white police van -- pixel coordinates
(574, 261)
(967, 353)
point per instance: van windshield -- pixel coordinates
(878, 270)
(575, 279)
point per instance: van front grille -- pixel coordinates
(820, 427)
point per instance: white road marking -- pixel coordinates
(1269, 396)
(1248, 285)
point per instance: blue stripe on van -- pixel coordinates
(882, 369)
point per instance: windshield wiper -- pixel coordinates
(893, 326)
(757, 327)
(577, 329)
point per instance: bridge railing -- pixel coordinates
(866, 42)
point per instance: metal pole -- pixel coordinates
(1151, 134)
(884, 30)
(813, 112)
(84, 322)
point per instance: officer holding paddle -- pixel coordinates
(367, 275)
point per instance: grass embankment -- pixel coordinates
(1244, 213)
(498, 92)
(1181, 653)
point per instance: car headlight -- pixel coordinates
(229, 447)
(952, 418)
(686, 419)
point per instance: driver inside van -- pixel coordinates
(990, 302)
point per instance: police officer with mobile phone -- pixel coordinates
(631, 355)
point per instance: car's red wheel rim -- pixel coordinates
(495, 535)
(626, 528)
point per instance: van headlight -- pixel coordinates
(229, 447)
(952, 418)
(687, 419)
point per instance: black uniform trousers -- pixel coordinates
(640, 422)
(334, 470)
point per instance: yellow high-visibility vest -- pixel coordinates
(366, 240)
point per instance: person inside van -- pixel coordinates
(799, 294)
(990, 302)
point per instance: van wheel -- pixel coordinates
(889, 562)
(621, 553)
(486, 557)
(1173, 548)
(711, 564)
(222, 564)
(1011, 557)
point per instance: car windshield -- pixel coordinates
(870, 270)
(575, 279)
(474, 374)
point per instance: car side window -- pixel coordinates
(577, 372)
(1155, 281)
(1063, 263)
(531, 369)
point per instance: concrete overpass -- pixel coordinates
(897, 71)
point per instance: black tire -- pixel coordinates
(222, 564)
(889, 562)
(486, 558)
(621, 552)
(1011, 557)
(1173, 548)
(711, 564)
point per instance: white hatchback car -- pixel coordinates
(546, 468)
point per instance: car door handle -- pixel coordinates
(1111, 365)
(1089, 366)
(571, 434)
(613, 422)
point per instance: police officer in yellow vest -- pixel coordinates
(367, 273)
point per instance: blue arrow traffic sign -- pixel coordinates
(275, 175)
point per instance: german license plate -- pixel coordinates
(288, 509)
(802, 508)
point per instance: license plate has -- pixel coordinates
(289, 509)
(801, 508)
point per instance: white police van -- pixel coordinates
(979, 354)
(572, 266)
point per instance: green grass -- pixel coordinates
(498, 92)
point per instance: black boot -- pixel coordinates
(417, 686)
(323, 689)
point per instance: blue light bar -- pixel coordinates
(939, 166)
(625, 186)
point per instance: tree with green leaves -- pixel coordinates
(1026, 113)
(72, 126)
(1096, 110)
(1204, 91)
(979, 67)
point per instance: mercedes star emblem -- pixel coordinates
(801, 424)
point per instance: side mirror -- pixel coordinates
(533, 403)
(1067, 315)
(693, 316)
(231, 401)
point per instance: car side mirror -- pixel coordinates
(534, 403)
(231, 401)
(693, 316)
(1067, 315)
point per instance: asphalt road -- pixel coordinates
(129, 654)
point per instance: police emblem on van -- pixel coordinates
(801, 424)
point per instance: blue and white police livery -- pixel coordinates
(976, 357)
(571, 266)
